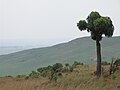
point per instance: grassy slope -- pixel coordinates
(81, 49)
(80, 79)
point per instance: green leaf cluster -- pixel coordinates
(97, 25)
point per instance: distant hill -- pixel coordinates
(80, 49)
(10, 49)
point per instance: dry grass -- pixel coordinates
(80, 79)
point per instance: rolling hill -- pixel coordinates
(80, 49)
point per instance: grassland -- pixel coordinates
(82, 78)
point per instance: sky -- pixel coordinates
(51, 20)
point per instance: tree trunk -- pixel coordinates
(98, 49)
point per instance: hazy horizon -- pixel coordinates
(38, 23)
(11, 46)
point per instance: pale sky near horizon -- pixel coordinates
(52, 19)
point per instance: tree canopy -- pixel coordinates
(97, 25)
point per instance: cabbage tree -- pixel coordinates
(98, 26)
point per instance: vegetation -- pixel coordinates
(81, 78)
(34, 74)
(76, 63)
(114, 66)
(97, 25)
(117, 62)
(55, 71)
(28, 60)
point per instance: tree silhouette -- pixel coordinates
(97, 25)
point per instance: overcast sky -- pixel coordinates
(52, 19)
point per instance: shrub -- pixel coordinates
(71, 69)
(76, 63)
(34, 74)
(57, 67)
(67, 68)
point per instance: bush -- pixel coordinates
(34, 74)
(53, 72)
(71, 69)
(57, 67)
(76, 63)
(67, 68)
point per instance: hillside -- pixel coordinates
(81, 78)
(81, 49)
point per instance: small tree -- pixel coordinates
(97, 25)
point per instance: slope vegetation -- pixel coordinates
(81, 78)
(81, 49)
